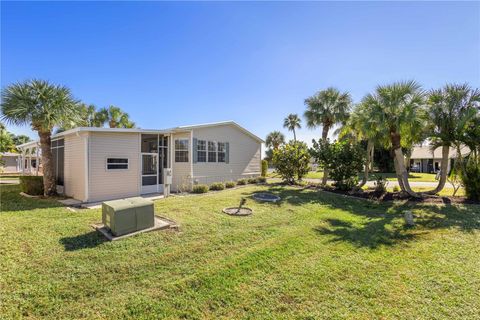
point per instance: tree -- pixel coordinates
(325, 109)
(292, 161)
(43, 105)
(450, 111)
(115, 117)
(400, 108)
(274, 140)
(7, 143)
(292, 122)
(344, 160)
(21, 139)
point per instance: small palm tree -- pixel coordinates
(274, 139)
(43, 106)
(400, 108)
(292, 122)
(450, 109)
(115, 117)
(325, 109)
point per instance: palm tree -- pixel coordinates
(42, 105)
(326, 108)
(399, 107)
(115, 117)
(450, 109)
(274, 140)
(292, 122)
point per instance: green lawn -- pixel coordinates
(314, 255)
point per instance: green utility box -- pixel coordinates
(128, 215)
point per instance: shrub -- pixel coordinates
(200, 188)
(252, 180)
(217, 186)
(471, 178)
(381, 184)
(343, 159)
(32, 185)
(242, 182)
(261, 180)
(396, 189)
(264, 168)
(292, 161)
(229, 184)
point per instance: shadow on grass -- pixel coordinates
(11, 200)
(83, 241)
(382, 223)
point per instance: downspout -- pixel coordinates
(191, 158)
(86, 167)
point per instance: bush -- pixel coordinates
(396, 189)
(471, 178)
(264, 168)
(217, 186)
(261, 180)
(252, 180)
(32, 185)
(229, 184)
(200, 188)
(343, 159)
(242, 182)
(381, 184)
(292, 161)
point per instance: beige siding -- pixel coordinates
(181, 171)
(245, 155)
(110, 184)
(74, 166)
(9, 164)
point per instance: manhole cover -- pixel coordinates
(266, 197)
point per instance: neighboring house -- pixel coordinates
(424, 160)
(11, 163)
(96, 164)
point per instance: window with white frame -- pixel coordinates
(117, 163)
(201, 151)
(212, 151)
(181, 150)
(221, 151)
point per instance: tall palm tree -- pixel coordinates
(42, 105)
(450, 109)
(115, 117)
(325, 109)
(399, 107)
(274, 140)
(292, 122)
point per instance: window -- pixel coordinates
(58, 157)
(221, 151)
(117, 163)
(212, 151)
(181, 150)
(201, 151)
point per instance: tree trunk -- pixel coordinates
(397, 170)
(294, 135)
(443, 171)
(325, 129)
(367, 164)
(401, 171)
(49, 183)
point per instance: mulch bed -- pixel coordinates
(396, 196)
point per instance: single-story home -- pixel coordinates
(424, 160)
(11, 162)
(96, 164)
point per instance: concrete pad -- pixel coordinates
(160, 224)
(70, 202)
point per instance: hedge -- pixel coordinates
(32, 185)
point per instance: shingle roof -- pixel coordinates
(425, 152)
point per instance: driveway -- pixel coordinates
(9, 181)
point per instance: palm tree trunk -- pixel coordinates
(443, 171)
(367, 164)
(399, 177)
(49, 183)
(325, 129)
(401, 171)
(294, 135)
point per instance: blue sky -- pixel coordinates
(170, 64)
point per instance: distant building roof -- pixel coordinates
(425, 152)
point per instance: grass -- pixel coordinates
(419, 177)
(313, 255)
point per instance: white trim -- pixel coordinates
(190, 158)
(86, 166)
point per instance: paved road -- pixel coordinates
(13, 181)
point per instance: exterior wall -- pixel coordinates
(181, 171)
(74, 166)
(10, 164)
(244, 155)
(111, 184)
